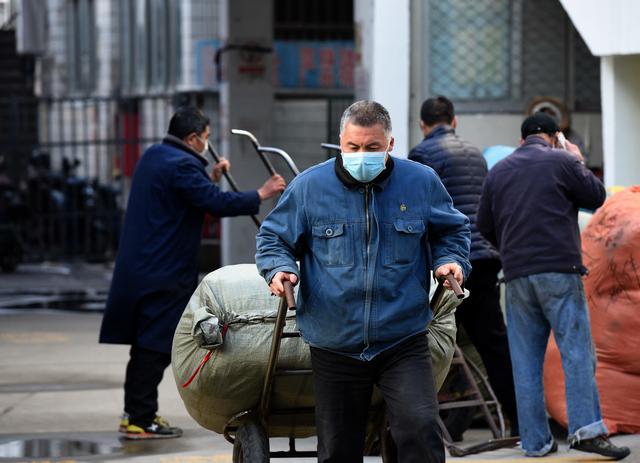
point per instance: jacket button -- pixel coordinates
(410, 228)
(328, 232)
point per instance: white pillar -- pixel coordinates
(246, 102)
(382, 28)
(620, 119)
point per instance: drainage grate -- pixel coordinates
(54, 448)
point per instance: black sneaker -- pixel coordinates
(602, 446)
(156, 430)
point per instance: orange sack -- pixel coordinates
(611, 252)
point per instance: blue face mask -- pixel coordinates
(364, 167)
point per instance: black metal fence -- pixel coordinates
(66, 166)
(62, 190)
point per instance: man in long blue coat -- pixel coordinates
(156, 270)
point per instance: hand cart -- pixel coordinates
(247, 430)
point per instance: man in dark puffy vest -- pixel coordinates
(462, 170)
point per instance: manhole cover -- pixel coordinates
(54, 448)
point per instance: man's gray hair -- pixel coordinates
(366, 113)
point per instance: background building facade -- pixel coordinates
(104, 76)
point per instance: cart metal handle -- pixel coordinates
(439, 293)
(288, 295)
(261, 150)
(455, 286)
(286, 302)
(227, 175)
(284, 155)
(330, 146)
(256, 145)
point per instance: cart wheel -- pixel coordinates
(251, 444)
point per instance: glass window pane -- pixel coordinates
(469, 48)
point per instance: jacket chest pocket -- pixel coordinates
(332, 244)
(404, 241)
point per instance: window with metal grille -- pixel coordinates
(496, 55)
(149, 44)
(470, 48)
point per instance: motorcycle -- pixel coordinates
(54, 214)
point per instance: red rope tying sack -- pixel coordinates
(206, 358)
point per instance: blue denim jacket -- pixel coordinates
(364, 254)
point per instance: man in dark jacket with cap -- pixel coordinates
(156, 270)
(529, 209)
(462, 170)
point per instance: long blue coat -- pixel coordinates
(156, 265)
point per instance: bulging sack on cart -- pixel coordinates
(221, 347)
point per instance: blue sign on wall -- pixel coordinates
(316, 64)
(297, 64)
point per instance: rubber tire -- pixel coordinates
(251, 444)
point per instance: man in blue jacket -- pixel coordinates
(362, 226)
(529, 209)
(462, 170)
(156, 265)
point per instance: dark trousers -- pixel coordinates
(481, 317)
(144, 373)
(343, 389)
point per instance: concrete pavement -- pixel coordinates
(72, 286)
(57, 382)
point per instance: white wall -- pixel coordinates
(246, 102)
(382, 39)
(299, 127)
(610, 31)
(621, 119)
(484, 130)
(608, 28)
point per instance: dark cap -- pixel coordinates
(538, 123)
